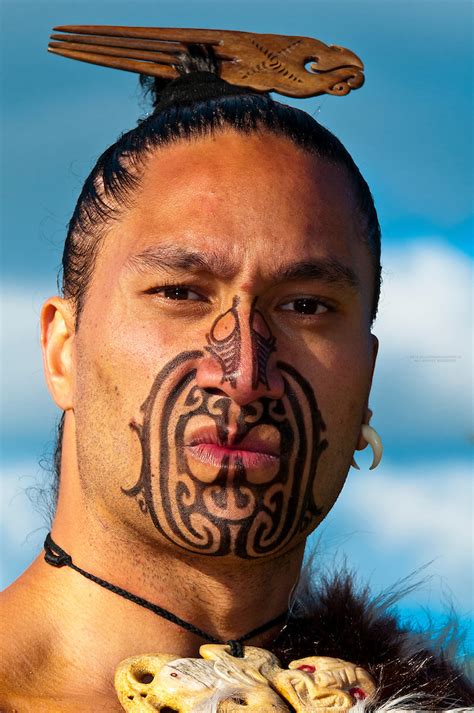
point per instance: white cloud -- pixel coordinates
(425, 307)
(26, 404)
(428, 507)
(396, 519)
(422, 380)
(424, 303)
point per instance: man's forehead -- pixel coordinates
(286, 221)
(237, 189)
(260, 164)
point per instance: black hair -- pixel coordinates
(196, 104)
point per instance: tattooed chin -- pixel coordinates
(217, 479)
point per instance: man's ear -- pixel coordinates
(362, 443)
(57, 341)
(375, 351)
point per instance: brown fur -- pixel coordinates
(335, 617)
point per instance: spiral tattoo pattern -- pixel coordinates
(227, 508)
(225, 513)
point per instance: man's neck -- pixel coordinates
(82, 630)
(225, 598)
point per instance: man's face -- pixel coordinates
(224, 357)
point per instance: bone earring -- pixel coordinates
(375, 442)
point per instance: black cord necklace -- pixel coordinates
(57, 557)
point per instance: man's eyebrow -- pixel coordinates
(174, 257)
(329, 269)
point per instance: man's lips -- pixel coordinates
(214, 455)
(252, 450)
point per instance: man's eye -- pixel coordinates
(176, 292)
(305, 305)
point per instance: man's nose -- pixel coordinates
(240, 356)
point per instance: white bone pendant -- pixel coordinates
(321, 683)
(221, 683)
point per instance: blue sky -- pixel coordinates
(409, 131)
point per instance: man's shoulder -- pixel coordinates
(29, 680)
(24, 646)
(36, 674)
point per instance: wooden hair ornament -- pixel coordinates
(292, 66)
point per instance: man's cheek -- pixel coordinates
(344, 381)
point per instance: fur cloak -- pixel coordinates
(413, 670)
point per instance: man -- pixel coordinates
(213, 356)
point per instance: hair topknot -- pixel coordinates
(198, 80)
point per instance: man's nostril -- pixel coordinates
(215, 392)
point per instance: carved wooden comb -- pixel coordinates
(292, 66)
